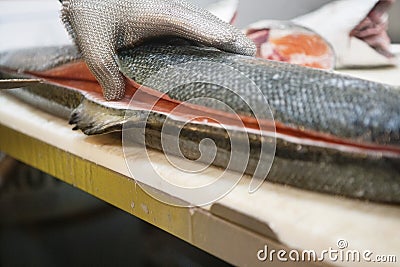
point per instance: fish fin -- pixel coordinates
(93, 119)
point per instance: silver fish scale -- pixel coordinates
(38, 59)
(101, 28)
(303, 97)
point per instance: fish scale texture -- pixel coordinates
(101, 28)
(306, 98)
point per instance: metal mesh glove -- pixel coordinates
(100, 28)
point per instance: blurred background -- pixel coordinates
(254, 10)
(36, 22)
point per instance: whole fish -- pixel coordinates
(334, 133)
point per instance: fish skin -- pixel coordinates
(327, 102)
(373, 177)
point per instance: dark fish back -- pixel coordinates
(305, 98)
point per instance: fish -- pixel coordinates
(289, 42)
(332, 133)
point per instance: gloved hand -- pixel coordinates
(100, 28)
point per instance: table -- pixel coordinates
(237, 227)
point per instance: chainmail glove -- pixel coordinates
(100, 28)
